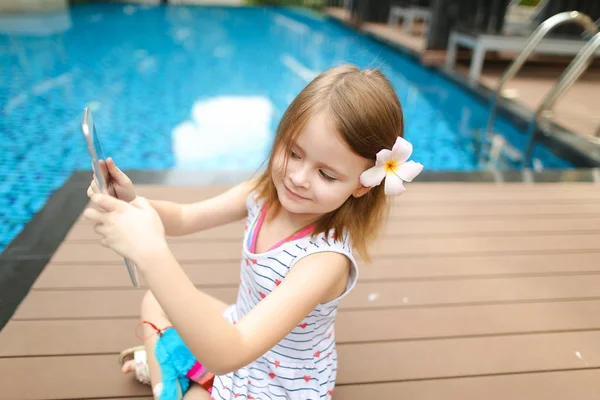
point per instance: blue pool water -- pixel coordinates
(191, 88)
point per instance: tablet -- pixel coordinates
(97, 154)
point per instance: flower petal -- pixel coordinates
(383, 156)
(393, 185)
(402, 150)
(409, 170)
(372, 177)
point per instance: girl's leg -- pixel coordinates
(151, 311)
(196, 392)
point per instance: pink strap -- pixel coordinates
(261, 219)
(298, 235)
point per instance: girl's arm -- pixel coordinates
(223, 347)
(134, 230)
(182, 219)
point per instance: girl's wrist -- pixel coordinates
(153, 257)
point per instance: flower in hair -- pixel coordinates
(394, 167)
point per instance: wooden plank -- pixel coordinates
(456, 266)
(75, 377)
(450, 190)
(481, 320)
(384, 247)
(573, 385)
(395, 227)
(477, 210)
(68, 337)
(94, 303)
(358, 363)
(377, 362)
(451, 210)
(73, 337)
(83, 232)
(114, 275)
(125, 303)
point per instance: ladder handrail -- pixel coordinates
(566, 80)
(540, 32)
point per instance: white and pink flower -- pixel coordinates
(394, 167)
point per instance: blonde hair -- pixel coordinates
(364, 109)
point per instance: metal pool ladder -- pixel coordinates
(496, 142)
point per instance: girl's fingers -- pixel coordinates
(108, 203)
(104, 170)
(100, 229)
(93, 188)
(93, 215)
(115, 173)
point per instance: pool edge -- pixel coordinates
(26, 256)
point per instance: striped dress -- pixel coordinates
(303, 365)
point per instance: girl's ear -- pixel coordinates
(361, 191)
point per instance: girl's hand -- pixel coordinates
(133, 230)
(119, 184)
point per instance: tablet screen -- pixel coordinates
(94, 145)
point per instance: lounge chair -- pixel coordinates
(409, 12)
(481, 42)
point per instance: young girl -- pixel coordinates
(319, 198)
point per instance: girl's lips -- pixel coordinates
(294, 195)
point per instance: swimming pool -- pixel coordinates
(193, 88)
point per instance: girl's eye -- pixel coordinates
(293, 154)
(327, 177)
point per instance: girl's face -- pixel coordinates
(322, 172)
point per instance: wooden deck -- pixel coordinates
(476, 291)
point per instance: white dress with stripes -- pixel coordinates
(303, 365)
